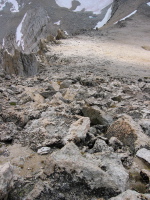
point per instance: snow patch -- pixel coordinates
(58, 23)
(148, 3)
(64, 3)
(14, 8)
(95, 6)
(19, 35)
(127, 16)
(105, 20)
(66, 32)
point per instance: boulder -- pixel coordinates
(129, 133)
(132, 195)
(78, 130)
(98, 172)
(6, 180)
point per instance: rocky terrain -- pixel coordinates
(75, 109)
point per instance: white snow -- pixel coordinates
(14, 8)
(148, 3)
(66, 32)
(127, 16)
(64, 3)
(7, 51)
(19, 35)
(95, 6)
(105, 20)
(57, 23)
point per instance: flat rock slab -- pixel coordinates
(144, 154)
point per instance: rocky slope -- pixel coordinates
(76, 123)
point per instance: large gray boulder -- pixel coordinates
(101, 171)
(6, 180)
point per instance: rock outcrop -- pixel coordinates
(20, 63)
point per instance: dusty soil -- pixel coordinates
(121, 50)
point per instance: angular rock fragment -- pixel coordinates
(78, 130)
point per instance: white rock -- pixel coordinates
(144, 154)
(43, 150)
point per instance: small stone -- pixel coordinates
(43, 150)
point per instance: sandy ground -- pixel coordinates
(119, 50)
